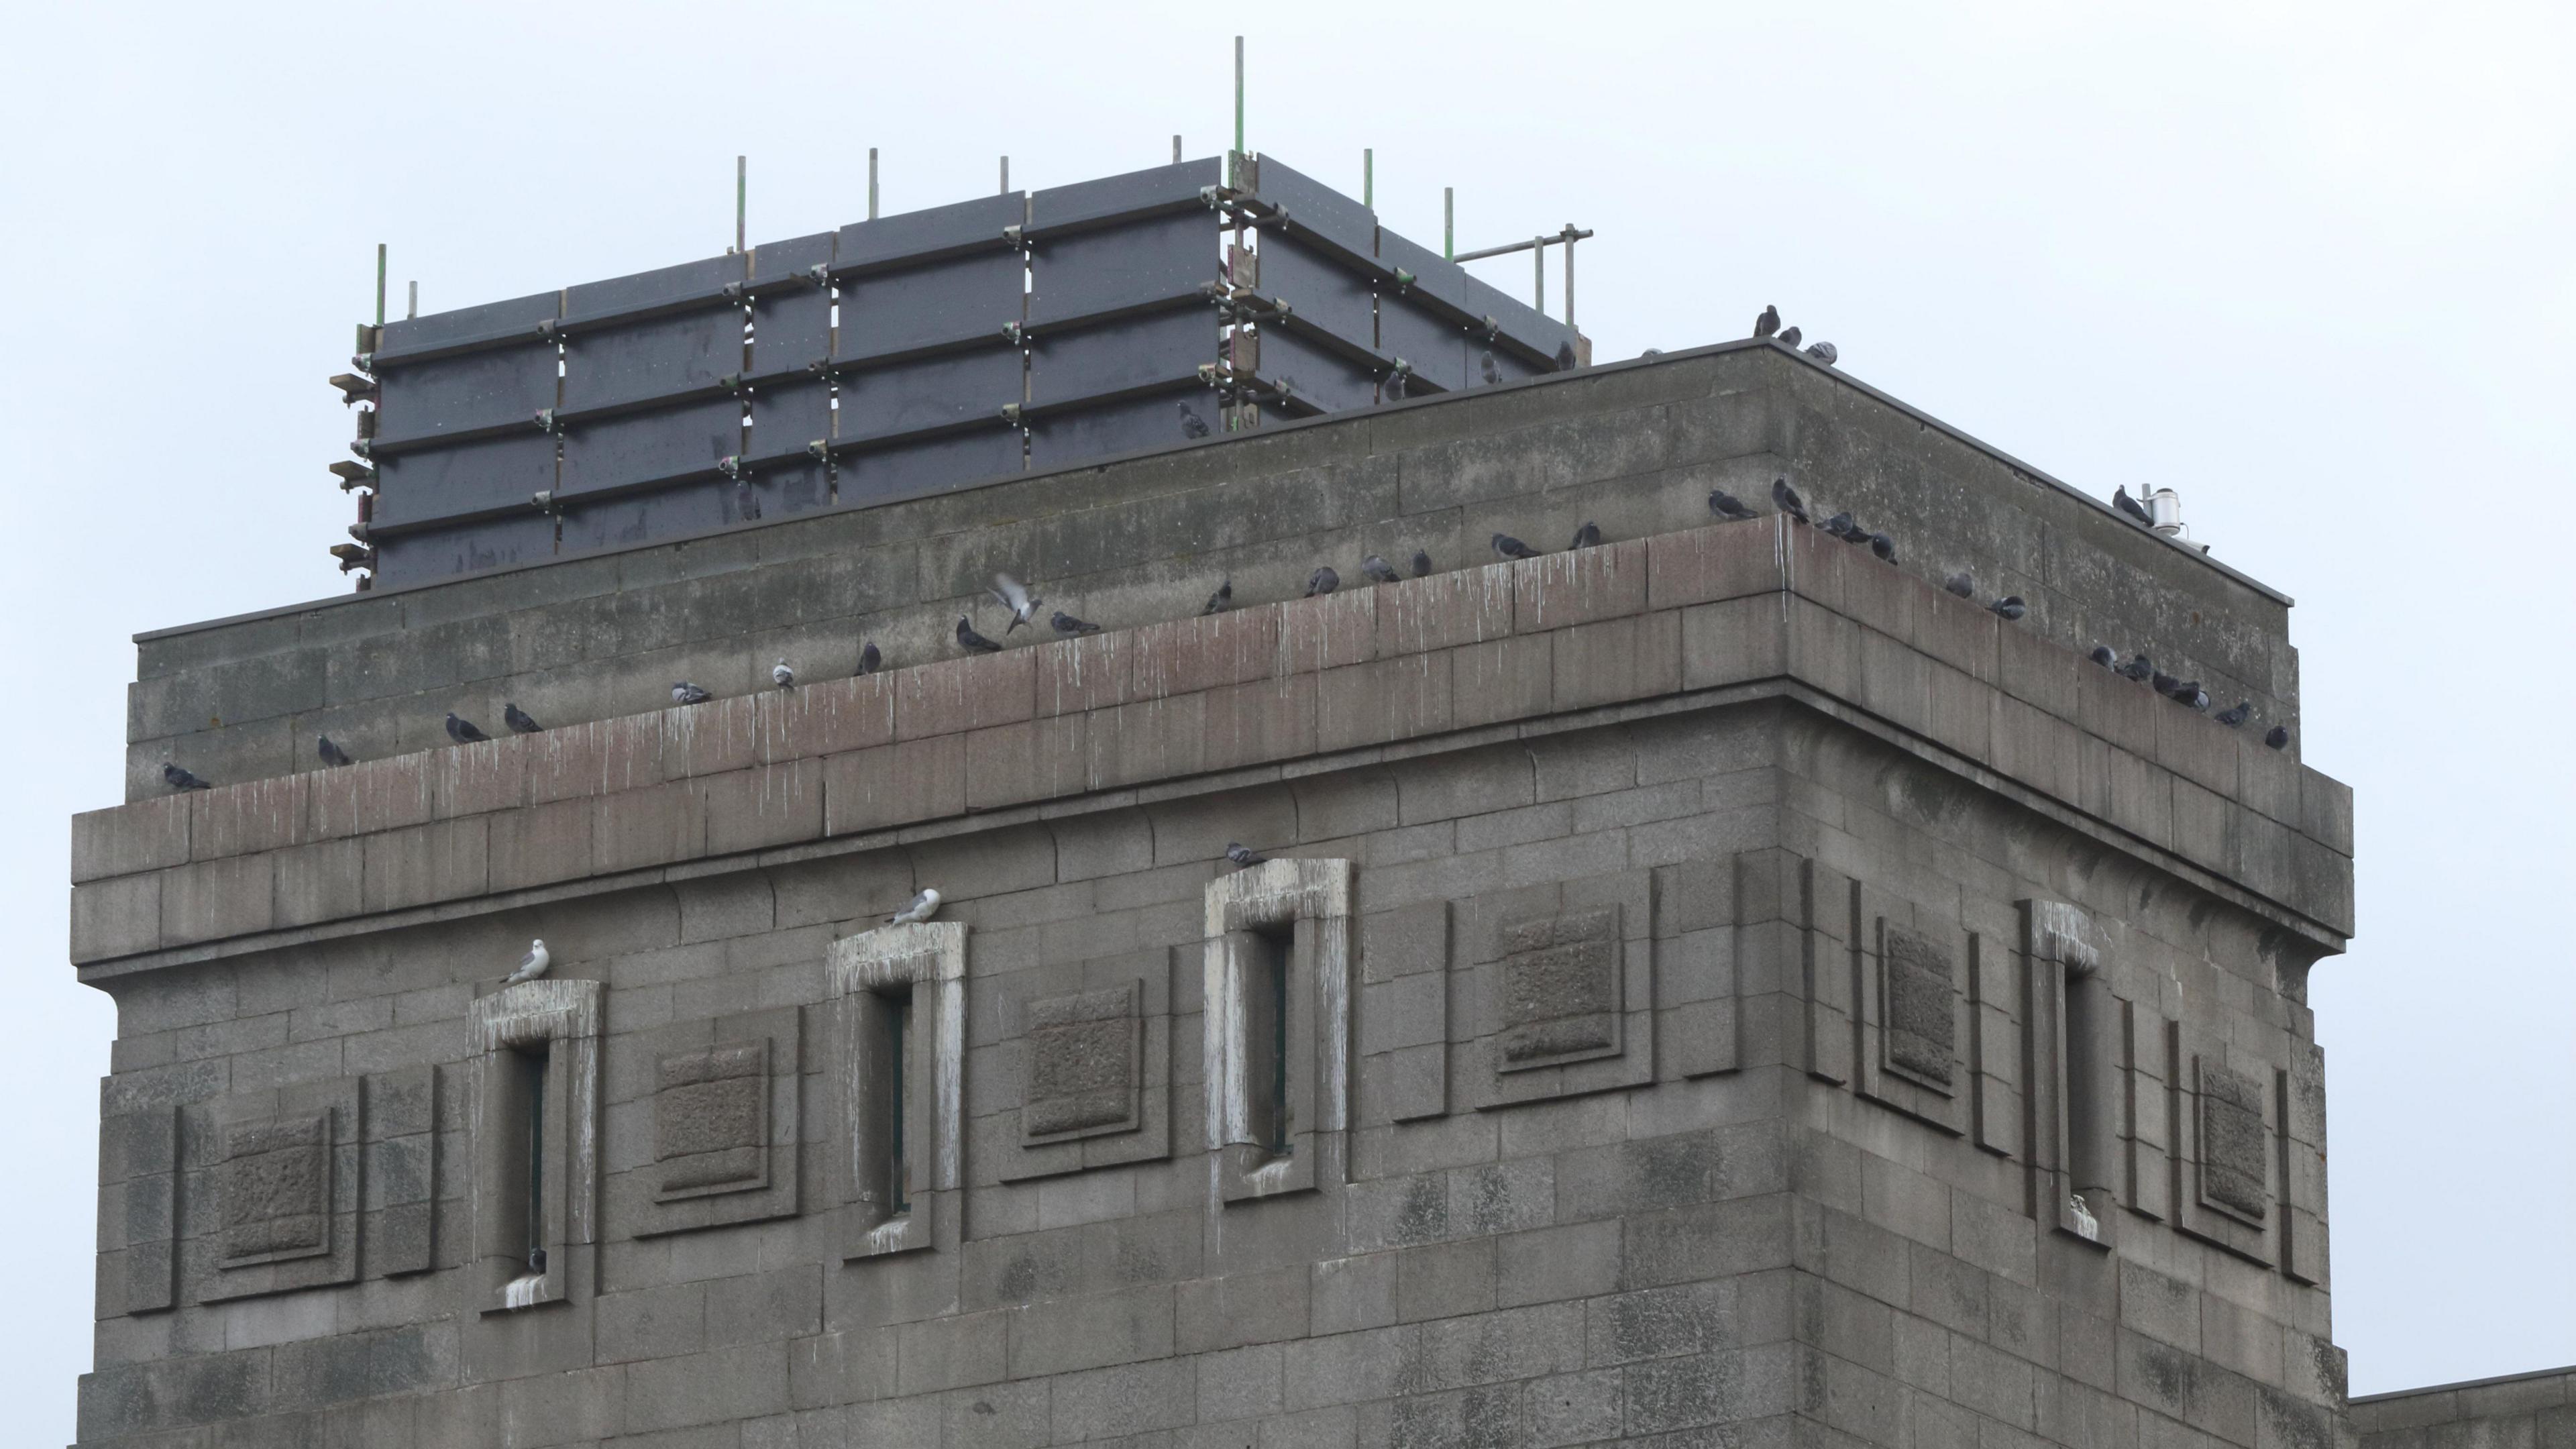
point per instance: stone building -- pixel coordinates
(1714, 987)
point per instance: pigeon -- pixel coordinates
(1588, 536)
(532, 965)
(2010, 606)
(2190, 695)
(1961, 585)
(2130, 508)
(464, 731)
(1394, 389)
(2138, 668)
(1785, 498)
(1652, 352)
(1790, 337)
(2279, 737)
(746, 504)
(1421, 563)
(870, 657)
(1067, 624)
(686, 693)
(331, 754)
(973, 642)
(785, 676)
(1565, 357)
(1510, 547)
(1841, 526)
(1768, 323)
(2231, 718)
(1012, 595)
(1242, 855)
(179, 778)
(2103, 656)
(2164, 683)
(1192, 425)
(923, 907)
(1322, 581)
(1492, 373)
(1727, 505)
(1222, 599)
(1824, 352)
(1883, 546)
(519, 720)
(537, 1262)
(1379, 570)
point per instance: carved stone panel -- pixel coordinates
(711, 1120)
(717, 1113)
(1566, 986)
(273, 1190)
(1085, 1057)
(270, 1198)
(1910, 985)
(1922, 1023)
(2235, 1148)
(1559, 1001)
(2227, 1122)
(1084, 1060)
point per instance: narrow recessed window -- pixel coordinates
(898, 1024)
(531, 1074)
(1265, 1037)
(2092, 1107)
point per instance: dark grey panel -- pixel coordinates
(1318, 377)
(1135, 355)
(620, 364)
(788, 258)
(787, 417)
(1129, 267)
(895, 314)
(442, 553)
(890, 474)
(1437, 282)
(1160, 188)
(1322, 215)
(1320, 293)
(920, 236)
(643, 517)
(635, 448)
(1522, 325)
(1118, 427)
(496, 473)
(963, 389)
(467, 327)
(698, 281)
(1432, 343)
(791, 328)
(778, 492)
(467, 393)
(1509, 364)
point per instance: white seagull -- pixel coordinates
(923, 907)
(1014, 596)
(531, 966)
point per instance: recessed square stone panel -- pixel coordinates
(2234, 1146)
(721, 1104)
(1085, 1060)
(1922, 1008)
(711, 1120)
(1560, 997)
(269, 1193)
(273, 1191)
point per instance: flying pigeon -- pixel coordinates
(1222, 599)
(532, 965)
(2231, 718)
(686, 693)
(1768, 323)
(2010, 606)
(464, 731)
(1785, 498)
(1067, 624)
(519, 720)
(331, 754)
(973, 642)
(1379, 569)
(1588, 536)
(785, 676)
(1322, 581)
(923, 907)
(870, 658)
(2279, 737)
(2103, 656)
(1961, 585)
(2138, 668)
(1791, 337)
(2130, 508)
(1727, 505)
(1883, 546)
(1192, 425)
(1012, 595)
(179, 778)
(1492, 373)
(1510, 547)
(1242, 855)
(1421, 563)
(1824, 352)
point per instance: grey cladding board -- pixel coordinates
(915, 237)
(1159, 188)
(954, 303)
(1120, 269)
(440, 552)
(961, 390)
(493, 475)
(471, 393)
(1520, 325)
(667, 513)
(787, 418)
(1317, 377)
(778, 491)
(699, 282)
(1320, 294)
(1117, 427)
(628, 363)
(1437, 282)
(1316, 211)
(492, 322)
(791, 257)
(791, 328)
(1433, 345)
(886, 475)
(640, 448)
(1140, 354)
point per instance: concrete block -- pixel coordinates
(2196, 747)
(1502, 680)
(826, 718)
(2037, 749)
(1391, 699)
(445, 861)
(1961, 633)
(1256, 723)
(218, 899)
(1617, 660)
(1184, 656)
(955, 695)
(1150, 740)
(2041, 672)
(1329, 632)
(1032, 760)
(1240, 1309)
(1733, 641)
(1705, 565)
(711, 738)
(655, 825)
(128, 839)
(894, 785)
(1580, 1260)
(1096, 671)
(763, 806)
(2325, 811)
(473, 779)
(599, 758)
(250, 817)
(539, 845)
(1092, 1330)
(1894, 682)
(116, 917)
(370, 796)
(1445, 610)
(1579, 586)
(320, 882)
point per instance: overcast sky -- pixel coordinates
(2310, 265)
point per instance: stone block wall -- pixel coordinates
(2537, 1410)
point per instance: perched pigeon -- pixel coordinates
(1791, 337)
(2278, 738)
(1961, 585)
(1192, 425)
(1768, 323)
(179, 778)
(1841, 526)
(1242, 855)
(1824, 352)
(1565, 357)
(464, 731)
(1379, 570)
(532, 965)
(871, 659)
(746, 503)
(2103, 656)
(2130, 508)
(1727, 505)
(1588, 536)
(1492, 373)
(2138, 668)
(1394, 389)
(1785, 498)
(1067, 624)
(1322, 581)
(1011, 594)
(1652, 352)
(2231, 718)
(973, 642)
(2010, 606)
(331, 754)
(923, 907)
(1510, 547)
(1222, 599)
(2164, 683)
(1883, 546)
(1421, 563)
(2190, 695)
(537, 1261)
(519, 720)
(785, 677)
(686, 693)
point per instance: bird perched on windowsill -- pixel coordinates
(532, 965)
(923, 907)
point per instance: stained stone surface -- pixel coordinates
(276, 1190)
(1082, 1063)
(1560, 982)
(710, 1118)
(1922, 1020)
(2233, 1143)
